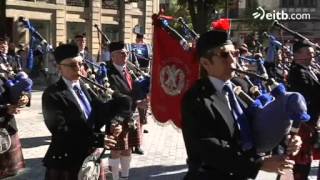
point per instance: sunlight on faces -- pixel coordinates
(70, 68)
(304, 56)
(81, 43)
(4, 47)
(222, 60)
(120, 57)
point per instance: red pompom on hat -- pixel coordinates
(221, 25)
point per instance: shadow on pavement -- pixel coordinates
(158, 172)
(34, 171)
(35, 141)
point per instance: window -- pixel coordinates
(76, 3)
(112, 31)
(110, 4)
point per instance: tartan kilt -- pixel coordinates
(12, 161)
(122, 139)
(143, 116)
(305, 154)
(135, 136)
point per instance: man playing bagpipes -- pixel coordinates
(12, 98)
(81, 42)
(302, 79)
(142, 53)
(122, 81)
(141, 56)
(216, 132)
(74, 117)
(9, 62)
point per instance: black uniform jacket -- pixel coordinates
(120, 85)
(73, 138)
(212, 138)
(301, 80)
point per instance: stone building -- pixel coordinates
(59, 20)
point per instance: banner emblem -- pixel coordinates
(172, 79)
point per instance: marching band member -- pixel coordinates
(11, 160)
(121, 81)
(8, 62)
(215, 130)
(142, 52)
(141, 56)
(81, 42)
(74, 118)
(303, 80)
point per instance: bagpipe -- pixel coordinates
(141, 78)
(255, 64)
(37, 43)
(273, 114)
(16, 83)
(296, 35)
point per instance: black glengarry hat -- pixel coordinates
(210, 40)
(65, 51)
(298, 45)
(116, 46)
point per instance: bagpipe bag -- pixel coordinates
(273, 120)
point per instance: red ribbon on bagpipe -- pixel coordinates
(174, 70)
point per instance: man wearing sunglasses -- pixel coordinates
(74, 118)
(215, 129)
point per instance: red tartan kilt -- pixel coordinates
(135, 136)
(305, 154)
(122, 139)
(12, 161)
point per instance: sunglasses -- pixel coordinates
(73, 65)
(225, 54)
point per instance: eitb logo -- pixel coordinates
(279, 15)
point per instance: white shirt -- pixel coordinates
(70, 85)
(119, 68)
(218, 84)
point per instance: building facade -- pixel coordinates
(58, 21)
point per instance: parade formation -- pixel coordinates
(241, 107)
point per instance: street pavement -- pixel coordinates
(164, 158)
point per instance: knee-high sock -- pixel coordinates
(125, 165)
(114, 163)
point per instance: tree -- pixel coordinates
(201, 12)
(3, 17)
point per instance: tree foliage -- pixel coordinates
(3, 17)
(201, 12)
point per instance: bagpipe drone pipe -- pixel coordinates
(40, 51)
(274, 114)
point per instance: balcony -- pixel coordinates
(79, 3)
(46, 1)
(110, 4)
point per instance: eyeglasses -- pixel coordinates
(225, 54)
(120, 52)
(73, 65)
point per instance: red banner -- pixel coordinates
(174, 70)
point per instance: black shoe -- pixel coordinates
(145, 131)
(138, 150)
